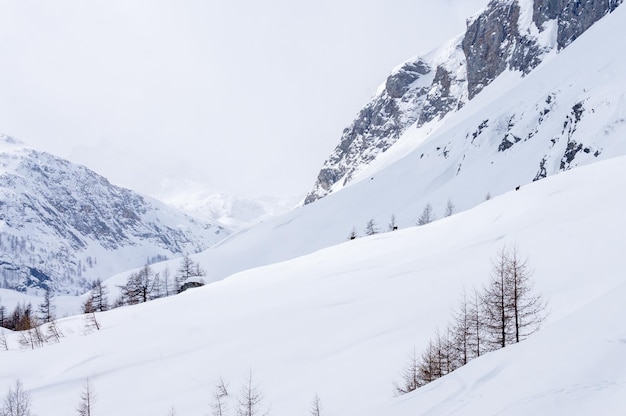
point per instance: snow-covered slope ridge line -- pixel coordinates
(340, 322)
(508, 35)
(62, 225)
(515, 130)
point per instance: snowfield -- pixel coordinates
(306, 312)
(340, 322)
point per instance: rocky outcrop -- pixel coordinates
(426, 89)
(378, 125)
(573, 17)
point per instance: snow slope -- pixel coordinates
(570, 111)
(340, 322)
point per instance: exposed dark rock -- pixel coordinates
(570, 153)
(439, 101)
(574, 17)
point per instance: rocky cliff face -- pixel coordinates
(507, 35)
(62, 225)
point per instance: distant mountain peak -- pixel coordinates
(62, 225)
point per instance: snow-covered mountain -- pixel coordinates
(341, 322)
(338, 318)
(235, 212)
(569, 111)
(508, 36)
(62, 225)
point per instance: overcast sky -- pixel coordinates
(247, 97)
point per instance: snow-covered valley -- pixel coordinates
(340, 322)
(533, 161)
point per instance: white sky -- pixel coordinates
(247, 97)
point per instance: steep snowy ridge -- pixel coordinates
(62, 225)
(516, 130)
(340, 322)
(508, 35)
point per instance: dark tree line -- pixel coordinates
(505, 312)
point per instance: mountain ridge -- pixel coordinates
(59, 221)
(508, 35)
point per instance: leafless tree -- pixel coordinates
(371, 228)
(410, 376)
(99, 296)
(250, 399)
(316, 406)
(91, 322)
(87, 400)
(3, 315)
(166, 282)
(53, 333)
(353, 234)
(512, 310)
(427, 215)
(450, 208)
(188, 269)
(527, 307)
(393, 225)
(477, 325)
(32, 338)
(219, 406)
(496, 301)
(3, 341)
(17, 402)
(47, 308)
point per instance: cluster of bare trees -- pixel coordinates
(39, 327)
(505, 312)
(35, 328)
(17, 402)
(145, 284)
(249, 401)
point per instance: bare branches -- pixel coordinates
(16, 402)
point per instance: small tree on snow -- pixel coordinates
(188, 269)
(410, 376)
(450, 208)
(527, 307)
(87, 400)
(511, 309)
(427, 215)
(3, 341)
(250, 399)
(371, 228)
(219, 406)
(353, 234)
(46, 308)
(316, 406)
(393, 225)
(17, 402)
